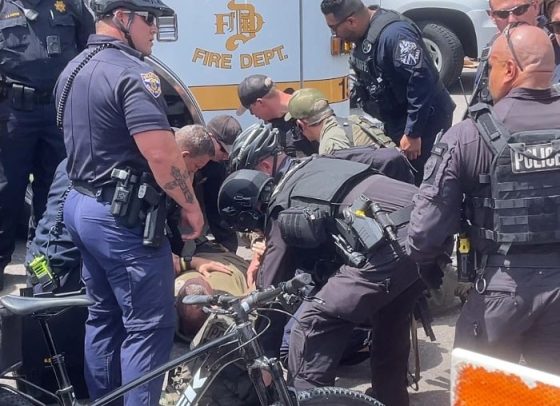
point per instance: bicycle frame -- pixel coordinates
(241, 344)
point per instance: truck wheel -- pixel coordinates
(446, 50)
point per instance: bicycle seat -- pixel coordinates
(27, 305)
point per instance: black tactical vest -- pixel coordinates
(370, 74)
(317, 181)
(519, 201)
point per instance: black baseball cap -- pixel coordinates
(225, 128)
(252, 88)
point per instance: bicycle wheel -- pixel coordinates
(9, 398)
(333, 396)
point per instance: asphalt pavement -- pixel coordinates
(435, 357)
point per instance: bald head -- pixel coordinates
(530, 45)
(526, 60)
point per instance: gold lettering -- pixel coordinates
(262, 58)
(243, 19)
(245, 61)
(212, 59)
(258, 59)
(198, 54)
(226, 61)
(224, 21)
(280, 51)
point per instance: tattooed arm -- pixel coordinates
(167, 165)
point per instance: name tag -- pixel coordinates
(544, 159)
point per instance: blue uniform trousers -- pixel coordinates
(30, 143)
(130, 327)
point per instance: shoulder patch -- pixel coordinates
(152, 83)
(366, 46)
(409, 52)
(433, 163)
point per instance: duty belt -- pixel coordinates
(23, 97)
(102, 194)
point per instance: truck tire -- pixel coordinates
(333, 396)
(446, 50)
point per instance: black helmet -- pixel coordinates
(156, 7)
(242, 199)
(252, 145)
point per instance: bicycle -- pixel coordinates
(239, 344)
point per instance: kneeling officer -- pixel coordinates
(355, 225)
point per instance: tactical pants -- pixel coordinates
(351, 297)
(130, 327)
(30, 143)
(439, 119)
(517, 316)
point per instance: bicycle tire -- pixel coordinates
(9, 398)
(333, 396)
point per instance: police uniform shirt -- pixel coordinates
(34, 53)
(333, 137)
(115, 96)
(461, 156)
(409, 71)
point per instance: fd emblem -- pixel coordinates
(409, 53)
(152, 83)
(366, 47)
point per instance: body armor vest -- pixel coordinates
(375, 134)
(306, 199)
(519, 201)
(374, 89)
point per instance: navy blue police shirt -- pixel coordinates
(33, 53)
(411, 73)
(115, 96)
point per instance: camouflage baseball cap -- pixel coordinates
(310, 105)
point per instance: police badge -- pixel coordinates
(152, 83)
(366, 47)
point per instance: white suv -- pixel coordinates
(452, 29)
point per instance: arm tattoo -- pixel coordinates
(180, 180)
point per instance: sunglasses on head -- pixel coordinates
(517, 11)
(148, 17)
(554, 27)
(507, 34)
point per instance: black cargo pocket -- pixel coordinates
(14, 34)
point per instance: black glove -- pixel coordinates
(431, 275)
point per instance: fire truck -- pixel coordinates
(220, 42)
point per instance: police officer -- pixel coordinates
(118, 140)
(552, 11)
(503, 13)
(513, 310)
(310, 108)
(223, 129)
(53, 245)
(37, 39)
(397, 80)
(259, 95)
(304, 230)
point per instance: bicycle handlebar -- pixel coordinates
(254, 299)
